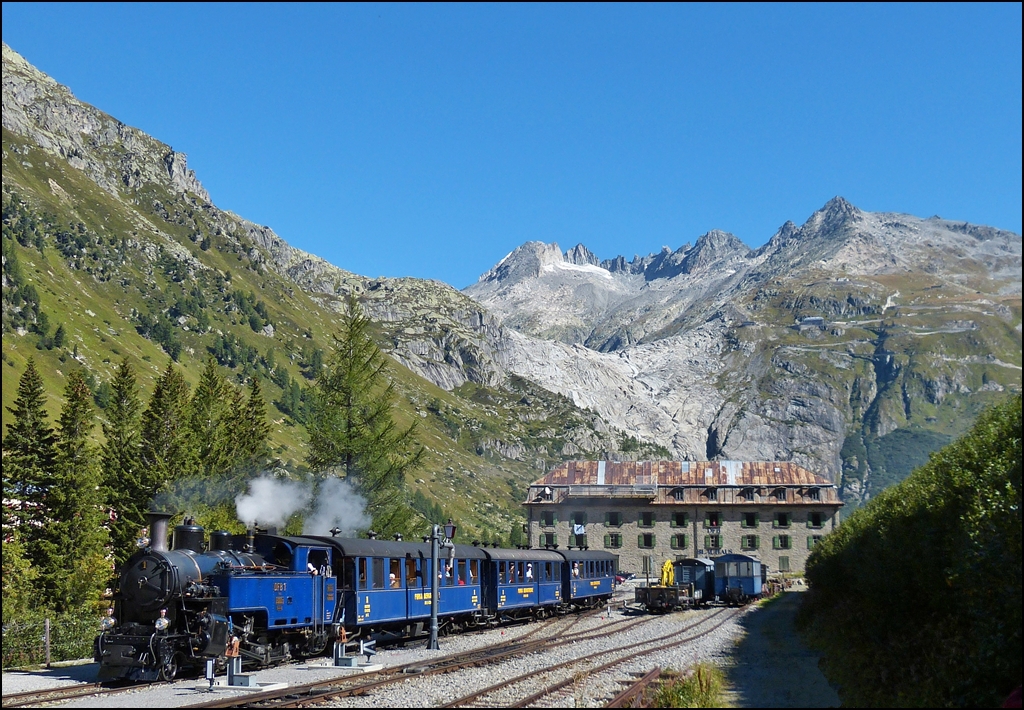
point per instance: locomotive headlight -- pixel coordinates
(108, 623)
(162, 623)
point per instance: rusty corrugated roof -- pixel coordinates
(682, 473)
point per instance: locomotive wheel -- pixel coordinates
(170, 669)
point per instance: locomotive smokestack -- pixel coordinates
(158, 530)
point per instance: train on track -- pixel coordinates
(691, 582)
(287, 597)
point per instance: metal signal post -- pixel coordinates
(437, 542)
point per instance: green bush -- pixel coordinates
(916, 599)
(71, 638)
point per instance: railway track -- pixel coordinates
(485, 696)
(64, 692)
(324, 691)
(633, 696)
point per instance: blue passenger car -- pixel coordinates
(588, 576)
(460, 579)
(737, 578)
(521, 583)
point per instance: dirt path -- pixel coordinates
(771, 667)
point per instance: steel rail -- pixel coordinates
(629, 697)
(321, 691)
(63, 692)
(467, 699)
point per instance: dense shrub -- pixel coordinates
(916, 599)
(71, 638)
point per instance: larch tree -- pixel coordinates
(352, 430)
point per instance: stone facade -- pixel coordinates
(651, 511)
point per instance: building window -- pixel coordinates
(749, 520)
(750, 542)
(712, 542)
(813, 494)
(578, 518)
(784, 563)
(577, 540)
(646, 520)
(548, 518)
(612, 520)
(747, 494)
(712, 520)
(613, 541)
(783, 520)
(816, 520)
(679, 493)
(679, 541)
(780, 494)
(645, 541)
(710, 494)
(549, 539)
(680, 520)
(782, 542)
(813, 540)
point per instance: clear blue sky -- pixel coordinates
(430, 141)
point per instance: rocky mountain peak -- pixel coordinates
(38, 108)
(581, 256)
(525, 261)
(836, 213)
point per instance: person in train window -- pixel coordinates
(529, 571)
(576, 569)
(394, 581)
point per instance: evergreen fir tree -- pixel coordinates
(167, 449)
(255, 432)
(352, 432)
(208, 420)
(248, 432)
(29, 457)
(128, 485)
(72, 566)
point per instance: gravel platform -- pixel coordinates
(771, 667)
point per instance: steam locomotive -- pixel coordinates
(287, 597)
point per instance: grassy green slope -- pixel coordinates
(106, 259)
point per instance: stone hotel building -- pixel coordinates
(651, 511)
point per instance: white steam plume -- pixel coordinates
(271, 501)
(337, 505)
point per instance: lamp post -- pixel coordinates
(436, 542)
